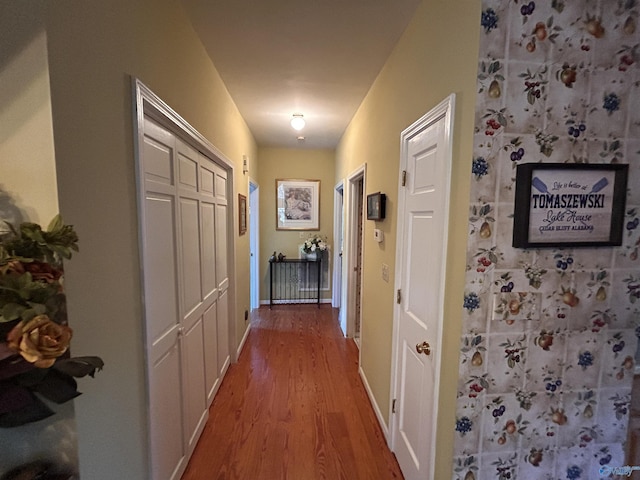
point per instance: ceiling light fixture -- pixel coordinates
(297, 122)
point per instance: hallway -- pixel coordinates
(293, 407)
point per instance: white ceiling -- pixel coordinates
(315, 57)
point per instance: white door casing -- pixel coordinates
(186, 257)
(350, 250)
(338, 226)
(423, 206)
(254, 241)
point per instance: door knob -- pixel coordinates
(423, 347)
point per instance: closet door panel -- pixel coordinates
(195, 394)
(187, 167)
(158, 155)
(223, 333)
(211, 351)
(222, 274)
(207, 178)
(165, 416)
(190, 255)
(160, 280)
(208, 227)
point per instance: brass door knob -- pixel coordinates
(423, 347)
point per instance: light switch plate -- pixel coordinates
(385, 272)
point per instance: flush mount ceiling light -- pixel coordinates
(297, 122)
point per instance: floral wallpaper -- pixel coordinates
(548, 344)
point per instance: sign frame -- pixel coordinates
(564, 204)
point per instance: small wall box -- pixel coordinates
(376, 206)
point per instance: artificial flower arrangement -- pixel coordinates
(34, 355)
(314, 243)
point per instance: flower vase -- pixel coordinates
(312, 256)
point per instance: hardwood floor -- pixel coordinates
(293, 407)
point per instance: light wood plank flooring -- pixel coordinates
(293, 407)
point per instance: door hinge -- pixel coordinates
(399, 296)
(404, 178)
(393, 406)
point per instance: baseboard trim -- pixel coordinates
(374, 405)
(243, 341)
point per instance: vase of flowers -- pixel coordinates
(314, 246)
(34, 335)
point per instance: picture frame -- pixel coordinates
(242, 213)
(376, 206)
(569, 205)
(297, 204)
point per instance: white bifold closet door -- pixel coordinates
(184, 249)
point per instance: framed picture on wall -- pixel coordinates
(562, 205)
(376, 206)
(297, 204)
(242, 213)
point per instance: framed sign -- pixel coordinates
(297, 204)
(376, 206)
(560, 204)
(242, 213)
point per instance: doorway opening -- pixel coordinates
(254, 243)
(338, 238)
(358, 217)
(353, 252)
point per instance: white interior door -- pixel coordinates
(163, 345)
(192, 305)
(186, 281)
(420, 272)
(222, 271)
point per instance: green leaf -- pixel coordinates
(28, 314)
(12, 311)
(24, 281)
(38, 308)
(55, 223)
(32, 231)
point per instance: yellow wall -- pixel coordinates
(283, 163)
(28, 192)
(436, 56)
(94, 48)
(27, 175)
